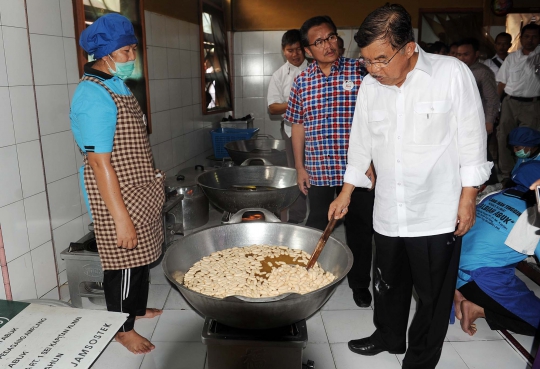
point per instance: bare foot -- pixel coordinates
(470, 312)
(134, 342)
(150, 313)
(458, 297)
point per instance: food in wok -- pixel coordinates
(254, 271)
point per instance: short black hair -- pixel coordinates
(291, 37)
(453, 44)
(503, 34)
(314, 22)
(436, 47)
(530, 27)
(470, 41)
(390, 22)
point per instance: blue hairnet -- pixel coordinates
(107, 34)
(524, 136)
(527, 173)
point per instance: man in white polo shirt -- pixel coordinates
(278, 97)
(419, 118)
(517, 78)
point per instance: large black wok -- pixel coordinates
(257, 313)
(269, 149)
(235, 188)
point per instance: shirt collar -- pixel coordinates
(534, 52)
(301, 67)
(336, 66)
(423, 63)
(89, 70)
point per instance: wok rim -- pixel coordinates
(348, 252)
(246, 152)
(238, 168)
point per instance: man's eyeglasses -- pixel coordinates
(384, 63)
(319, 43)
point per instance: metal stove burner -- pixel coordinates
(234, 348)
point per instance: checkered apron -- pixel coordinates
(141, 186)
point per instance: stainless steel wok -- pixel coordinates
(261, 313)
(235, 188)
(269, 149)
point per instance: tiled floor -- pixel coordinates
(177, 336)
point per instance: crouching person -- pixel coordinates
(502, 236)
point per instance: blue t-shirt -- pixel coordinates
(93, 116)
(483, 245)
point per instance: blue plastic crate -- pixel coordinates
(221, 136)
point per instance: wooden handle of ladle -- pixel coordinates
(322, 242)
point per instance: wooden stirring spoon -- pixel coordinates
(322, 242)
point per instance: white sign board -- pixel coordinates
(46, 337)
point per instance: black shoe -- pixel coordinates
(364, 346)
(362, 297)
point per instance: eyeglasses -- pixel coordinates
(384, 63)
(319, 43)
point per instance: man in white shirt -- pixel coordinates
(419, 118)
(278, 96)
(503, 42)
(518, 80)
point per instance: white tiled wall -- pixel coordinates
(24, 214)
(180, 132)
(41, 207)
(256, 56)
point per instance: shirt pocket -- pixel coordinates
(431, 122)
(378, 123)
(515, 73)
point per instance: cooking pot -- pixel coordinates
(269, 149)
(235, 188)
(257, 313)
(195, 208)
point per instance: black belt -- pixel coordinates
(525, 99)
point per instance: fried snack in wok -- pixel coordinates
(255, 271)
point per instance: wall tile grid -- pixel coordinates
(256, 56)
(44, 56)
(180, 135)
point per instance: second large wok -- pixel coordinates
(256, 313)
(269, 149)
(235, 188)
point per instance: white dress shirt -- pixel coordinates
(280, 86)
(427, 140)
(517, 72)
(494, 67)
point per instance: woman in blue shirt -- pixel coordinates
(123, 191)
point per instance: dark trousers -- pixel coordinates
(493, 179)
(497, 316)
(358, 227)
(126, 291)
(430, 264)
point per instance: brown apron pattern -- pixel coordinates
(140, 184)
